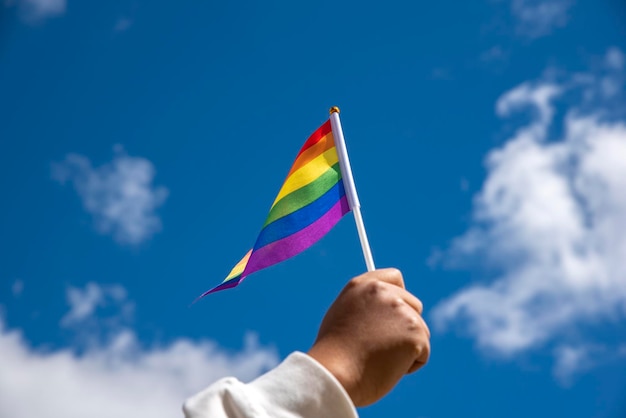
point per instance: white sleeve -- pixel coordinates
(299, 387)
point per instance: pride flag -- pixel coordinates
(310, 202)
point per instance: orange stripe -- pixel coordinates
(324, 144)
(315, 137)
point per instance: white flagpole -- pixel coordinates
(348, 182)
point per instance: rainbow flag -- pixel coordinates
(311, 201)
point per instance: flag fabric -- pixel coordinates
(310, 202)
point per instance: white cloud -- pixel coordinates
(537, 18)
(120, 379)
(115, 375)
(84, 302)
(119, 194)
(547, 227)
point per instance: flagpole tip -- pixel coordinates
(334, 109)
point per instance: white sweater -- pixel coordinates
(299, 387)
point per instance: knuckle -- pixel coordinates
(422, 346)
(420, 331)
(374, 287)
(414, 323)
(353, 283)
(397, 302)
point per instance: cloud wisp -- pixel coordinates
(17, 288)
(36, 11)
(84, 302)
(119, 195)
(537, 18)
(122, 24)
(548, 224)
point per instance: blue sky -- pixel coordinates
(143, 143)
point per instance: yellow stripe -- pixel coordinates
(239, 267)
(325, 143)
(311, 171)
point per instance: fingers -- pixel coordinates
(422, 357)
(418, 337)
(413, 302)
(421, 325)
(421, 344)
(390, 275)
(394, 277)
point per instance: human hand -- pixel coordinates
(372, 335)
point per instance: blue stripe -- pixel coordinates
(303, 217)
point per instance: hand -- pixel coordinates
(372, 335)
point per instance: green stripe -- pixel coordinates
(304, 195)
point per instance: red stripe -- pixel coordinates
(316, 137)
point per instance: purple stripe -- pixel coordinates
(224, 285)
(280, 250)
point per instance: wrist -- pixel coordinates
(340, 364)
